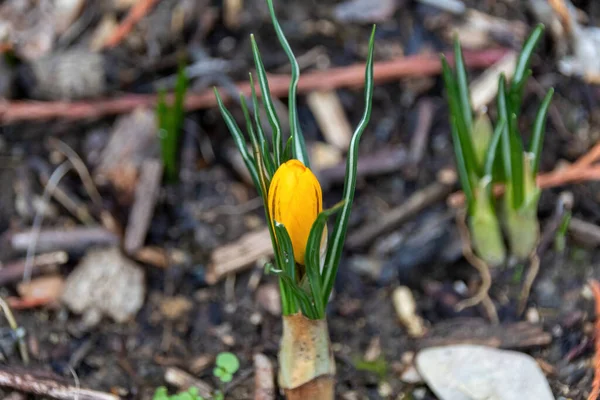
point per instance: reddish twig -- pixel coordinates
(595, 286)
(350, 77)
(582, 170)
(136, 13)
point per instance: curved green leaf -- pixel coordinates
(268, 101)
(299, 147)
(336, 244)
(539, 131)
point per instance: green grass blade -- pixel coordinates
(299, 146)
(522, 71)
(249, 126)
(268, 102)
(287, 152)
(467, 148)
(313, 257)
(238, 137)
(539, 131)
(490, 156)
(516, 159)
(266, 152)
(525, 56)
(463, 172)
(505, 140)
(463, 87)
(336, 244)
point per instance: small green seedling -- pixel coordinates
(191, 394)
(170, 122)
(379, 366)
(227, 364)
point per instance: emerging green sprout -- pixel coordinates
(170, 121)
(485, 156)
(306, 260)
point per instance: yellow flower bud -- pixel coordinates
(295, 200)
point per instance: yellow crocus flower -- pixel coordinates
(295, 200)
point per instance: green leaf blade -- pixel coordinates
(539, 131)
(268, 101)
(298, 145)
(336, 244)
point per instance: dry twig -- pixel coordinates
(482, 297)
(136, 13)
(351, 76)
(595, 286)
(48, 387)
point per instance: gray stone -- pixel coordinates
(468, 372)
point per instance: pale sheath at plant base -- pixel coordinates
(306, 258)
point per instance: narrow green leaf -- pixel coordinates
(490, 156)
(335, 246)
(516, 160)
(287, 152)
(238, 137)
(463, 87)
(287, 251)
(522, 71)
(466, 143)
(525, 55)
(249, 126)
(268, 102)
(266, 152)
(299, 147)
(503, 115)
(463, 172)
(539, 131)
(313, 257)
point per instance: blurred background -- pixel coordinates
(133, 241)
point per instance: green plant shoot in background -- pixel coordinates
(486, 155)
(170, 122)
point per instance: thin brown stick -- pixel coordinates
(595, 393)
(44, 386)
(482, 296)
(136, 13)
(350, 77)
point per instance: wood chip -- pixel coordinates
(133, 140)
(242, 254)
(142, 211)
(264, 382)
(519, 335)
(485, 87)
(48, 288)
(406, 310)
(329, 113)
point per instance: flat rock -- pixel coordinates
(105, 283)
(468, 372)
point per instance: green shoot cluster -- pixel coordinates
(486, 155)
